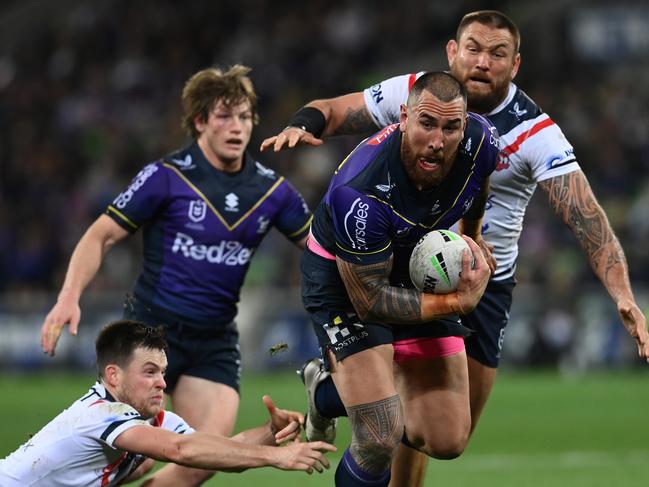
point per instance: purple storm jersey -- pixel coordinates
(201, 228)
(533, 149)
(371, 209)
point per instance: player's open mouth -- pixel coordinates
(429, 164)
(237, 142)
(477, 80)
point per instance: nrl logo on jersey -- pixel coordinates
(386, 188)
(264, 171)
(186, 163)
(197, 210)
(516, 111)
(231, 202)
(467, 146)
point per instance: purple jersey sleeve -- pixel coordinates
(361, 227)
(489, 151)
(141, 200)
(295, 216)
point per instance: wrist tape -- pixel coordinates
(309, 119)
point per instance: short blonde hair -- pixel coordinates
(207, 87)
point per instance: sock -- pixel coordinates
(349, 474)
(327, 401)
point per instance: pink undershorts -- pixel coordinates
(425, 347)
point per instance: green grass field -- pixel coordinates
(538, 430)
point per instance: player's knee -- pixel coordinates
(377, 429)
(443, 446)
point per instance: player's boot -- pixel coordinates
(316, 426)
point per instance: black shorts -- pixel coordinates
(345, 334)
(339, 329)
(488, 321)
(209, 354)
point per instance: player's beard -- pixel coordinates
(485, 102)
(423, 180)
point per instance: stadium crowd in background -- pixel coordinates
(85, 100)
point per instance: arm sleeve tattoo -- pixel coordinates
(355, 121)
(370, 292)
(573, 200)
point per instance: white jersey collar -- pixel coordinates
(506, 101)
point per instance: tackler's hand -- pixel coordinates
(289, 138)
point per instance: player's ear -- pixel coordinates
(451, 51)
(111, 374)
(199, 123)
(517, 63)
(403, 117)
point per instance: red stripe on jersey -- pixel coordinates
(411, 81)
(514, 146)
(108, 469)
(383, 134)
(159, 418)
(98, 401)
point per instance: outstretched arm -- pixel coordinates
(343, 115)
(84, 264)
(369, 289)
(212, 452)
(573, 200)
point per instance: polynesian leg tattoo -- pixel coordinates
(377, 430)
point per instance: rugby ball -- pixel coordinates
(436, 262)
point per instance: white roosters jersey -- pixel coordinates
(76, 448)
(533, 149)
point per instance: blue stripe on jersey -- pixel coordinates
(116, 424)
(519, 109)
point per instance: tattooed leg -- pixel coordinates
(377, 428)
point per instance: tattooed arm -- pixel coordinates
(344, 115)
(573, 200)
(369, 290)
